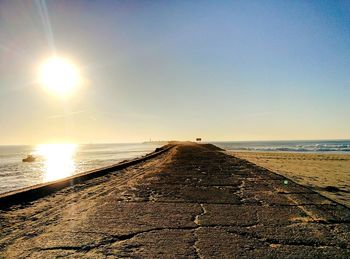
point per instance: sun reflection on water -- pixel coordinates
(58, 160)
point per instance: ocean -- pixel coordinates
(56, 161)
(312, 146)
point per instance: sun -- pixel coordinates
(59, 75)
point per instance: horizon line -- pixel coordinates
(206, 141)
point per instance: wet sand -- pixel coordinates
(328, 174)
(192, 201)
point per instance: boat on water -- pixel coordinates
(29, 158)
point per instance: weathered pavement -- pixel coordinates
(191, 201)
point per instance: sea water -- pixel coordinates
(314, 146)
(57, 161)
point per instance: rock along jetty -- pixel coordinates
(191, 201)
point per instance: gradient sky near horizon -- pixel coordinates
(220, 70)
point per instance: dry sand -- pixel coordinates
(329, 174)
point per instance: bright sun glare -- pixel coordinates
(58, 160)
(59, 75)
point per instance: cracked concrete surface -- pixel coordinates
(190, 202)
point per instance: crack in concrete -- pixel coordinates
(196, 238)
(247, 200)
(111, 239)
(274, 241)
(74, 248)
(204, 211)
(292, 205)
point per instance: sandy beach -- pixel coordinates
(192, 201)
(328, 174)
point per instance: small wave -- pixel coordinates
(289, 146)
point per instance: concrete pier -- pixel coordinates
(192, 201)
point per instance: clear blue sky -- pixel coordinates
(220, 70)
